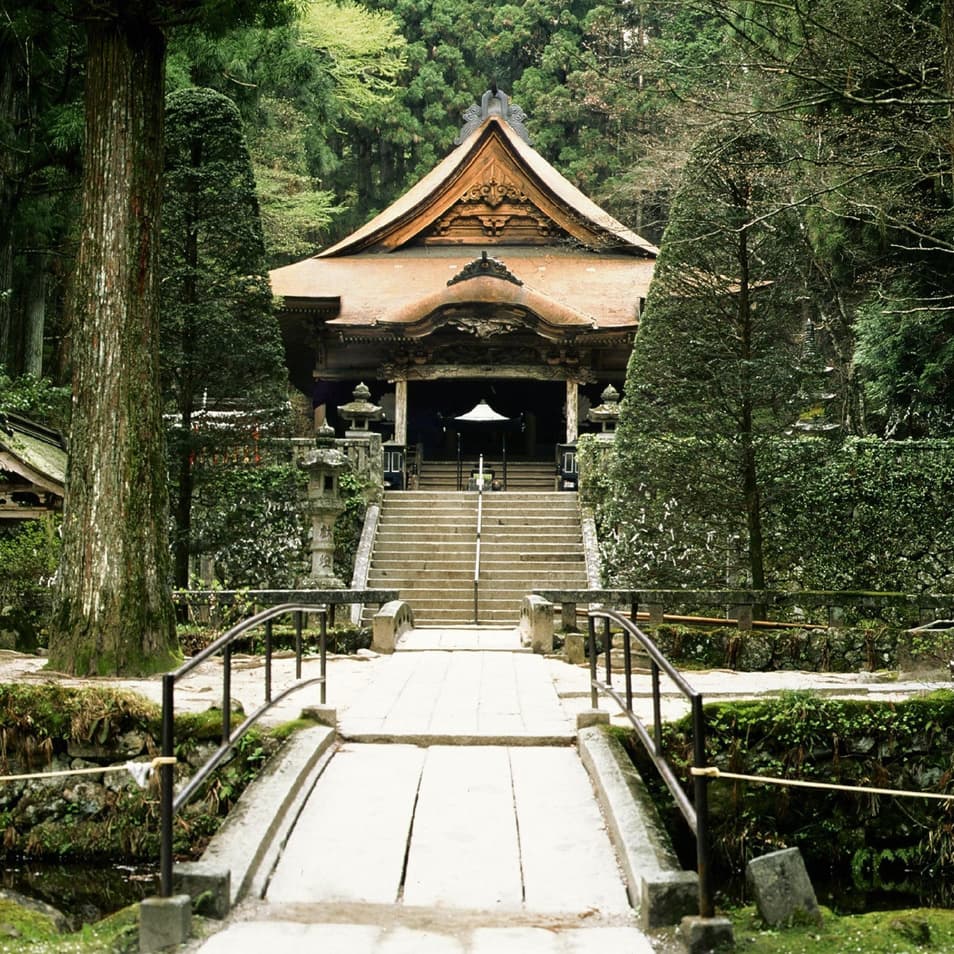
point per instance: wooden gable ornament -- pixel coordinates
(493, 189)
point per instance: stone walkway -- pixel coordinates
(429, 697)
(482, 836)
(423, 847)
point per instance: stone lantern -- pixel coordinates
(606, 413)
(359, 412)
(324, 466)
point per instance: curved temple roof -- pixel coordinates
(577, 269)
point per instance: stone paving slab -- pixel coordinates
(289, 937)
(432, 697)
(491, 828)
(572, 684)
(461, 639)
(566, 855)
(464, 849)
(351, 837)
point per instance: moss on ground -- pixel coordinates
(912, 931)
(23, 930)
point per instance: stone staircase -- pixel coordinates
(521, 475)
(426, 547)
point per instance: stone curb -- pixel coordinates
(659, 889)
(457, 739)
(252, 836)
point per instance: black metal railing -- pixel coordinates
(171, 803)
(695, 811)
(480, 521)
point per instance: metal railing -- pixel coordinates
(171, 803)
(694, 811)
(480, 521)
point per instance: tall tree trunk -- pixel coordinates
(35, 316)
(9, 168)
(750, 477)
(114, 610)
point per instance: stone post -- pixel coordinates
(324, 465)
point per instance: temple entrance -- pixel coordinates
(536, 409)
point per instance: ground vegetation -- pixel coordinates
(870, 841)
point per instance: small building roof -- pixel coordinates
(32, 462)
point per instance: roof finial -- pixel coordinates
(495, 102)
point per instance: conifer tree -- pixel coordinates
(717, 365)
(220, 338)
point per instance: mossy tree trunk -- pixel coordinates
(113, 610)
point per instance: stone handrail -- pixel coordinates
(536, 624)
(741, 601)
(388, 625)
(362, 560)
(330, 597)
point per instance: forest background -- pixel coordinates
(825, 174)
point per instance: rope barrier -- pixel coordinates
(140, 771)
(710, 771)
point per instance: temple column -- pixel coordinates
(572, 410)
(400, 411)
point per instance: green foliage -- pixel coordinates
(303, 90)
(38, 718)
(36, 398)
(363, 49)
(29, 554)
(249, 520)
(219, 337)
(909, 931)
(905, 350)
(904, 745)
(221, 347)
(861, 514)
(844, 649)
(720, 353)
(348, 526)
(862, 88)
(38, 722)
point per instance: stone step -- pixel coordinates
(544, 540)
(520, 585)
(426, 547)
(496, 574)
(459, 496)
(461, 547)
(519, 516)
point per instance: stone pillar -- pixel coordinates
(400, 411)
(572, 411)
(323, 465)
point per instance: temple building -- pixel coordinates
(493, 278)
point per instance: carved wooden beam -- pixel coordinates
(533, 372)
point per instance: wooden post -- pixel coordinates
(572, 410)
(400, 411)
